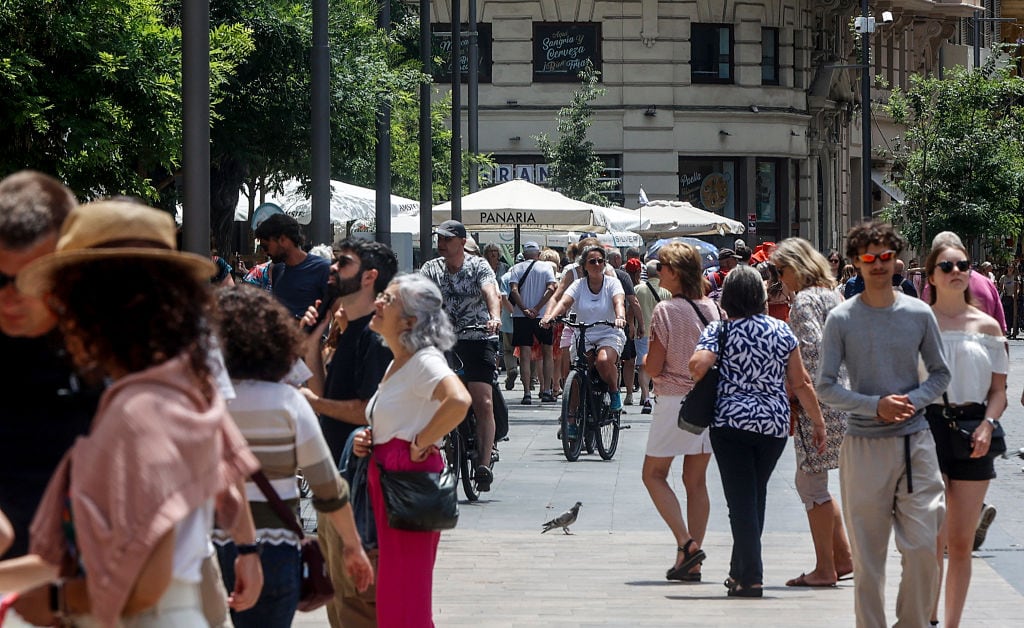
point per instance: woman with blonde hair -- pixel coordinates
(676, 325)
(808, 275)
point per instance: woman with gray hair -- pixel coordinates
(759, 358)
(420, 399)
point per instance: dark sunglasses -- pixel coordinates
(595, 261)
(947, 266)
(884, 256)
(833, 260)
(6, 279)
(344, 260)
(657, 266)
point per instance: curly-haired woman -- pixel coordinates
(261, 342)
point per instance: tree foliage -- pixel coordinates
(961, 160)
(90, 90)
(575, 168)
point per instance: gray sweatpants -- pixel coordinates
(873, 485)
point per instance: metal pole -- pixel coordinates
(195, 101)
(474, 96)
(456, 189)
(977, 39)
(865, 101)
(426, 142)
(383, 154)
(320, 221)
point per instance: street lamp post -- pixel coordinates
(320, 126)
(382, 167)
(456, 188)
(865, 101)
(426, 141)
(195, 97)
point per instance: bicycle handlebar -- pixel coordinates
(575, 325)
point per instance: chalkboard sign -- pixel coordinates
(561, 50)
(441, 52)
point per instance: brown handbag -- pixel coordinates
(316, 588)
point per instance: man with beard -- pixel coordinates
(361, 270)
(297, 279)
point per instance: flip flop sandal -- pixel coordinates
(801, 581)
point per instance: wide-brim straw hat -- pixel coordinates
(109, 230)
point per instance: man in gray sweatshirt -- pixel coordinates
(888, 471)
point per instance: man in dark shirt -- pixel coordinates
(45, 405)
(361, 270)
(297, 279)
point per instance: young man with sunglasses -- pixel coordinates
(888, 470)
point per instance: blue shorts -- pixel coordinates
(642, 346)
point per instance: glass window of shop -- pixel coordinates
(709, 183)
(711, 57)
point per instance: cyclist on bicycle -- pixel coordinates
(598, 297)
(470, 293)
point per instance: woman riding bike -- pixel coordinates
(597, 297)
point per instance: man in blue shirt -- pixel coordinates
(297, 279)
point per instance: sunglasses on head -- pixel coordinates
(947, 266)
(595, 261)
(6, 279)
(884, 256)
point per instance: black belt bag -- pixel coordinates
(962, 421)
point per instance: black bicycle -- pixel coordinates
(459, 446)
(587, 417)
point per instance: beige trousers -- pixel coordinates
(180, 606)
(349, 608)
(873, 484)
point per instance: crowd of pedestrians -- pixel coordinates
(180, 408)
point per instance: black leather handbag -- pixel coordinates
(697, 409)
(962, 421)
(419, 501)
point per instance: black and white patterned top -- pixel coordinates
(752, 384)
(462, 292)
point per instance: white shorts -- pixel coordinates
(598, 337)
(665, 439)
(567, 338)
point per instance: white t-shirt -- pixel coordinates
(542, 275)
(403, 406)
(591, 307)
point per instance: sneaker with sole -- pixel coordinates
(510, 380)
(648, 408)
(629, 399)
(484, 478)
(616, 403)
(527, 399)
(547, 397)
(988, 515)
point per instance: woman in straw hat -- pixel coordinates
(128, 512)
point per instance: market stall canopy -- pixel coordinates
(678, 218)
(348, 202)
(410, 223)
(522, 204)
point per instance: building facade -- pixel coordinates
(749, 109)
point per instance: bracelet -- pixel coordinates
(991, 421)
(256, 547)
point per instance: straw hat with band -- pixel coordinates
(109, 230)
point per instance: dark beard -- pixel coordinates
(344, 287)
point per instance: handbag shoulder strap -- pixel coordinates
(657, 297)
(700, 315)
(285, 514)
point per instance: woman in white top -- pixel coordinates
(419, 400)
(976, 352)
(597, 297)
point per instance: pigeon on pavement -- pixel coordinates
(563, 520)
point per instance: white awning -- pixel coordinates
(878, 177)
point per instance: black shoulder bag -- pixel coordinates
(962, 421)
(697, 409)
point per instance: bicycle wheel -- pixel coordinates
(608, 435)
(451, 450)
(466, 458)
(574, 414)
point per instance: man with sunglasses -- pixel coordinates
(470, 292)
(361, 269)
(888, 470)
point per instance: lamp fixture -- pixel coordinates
(754, 109)
(514, 139)
(652, 111)
(794, 133)
(724, 132)
(512, 103)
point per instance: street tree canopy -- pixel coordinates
(960, 162)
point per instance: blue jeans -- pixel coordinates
(745, 462)
(282, 565)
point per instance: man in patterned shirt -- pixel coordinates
(470, 293)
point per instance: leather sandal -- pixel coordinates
(680, 572)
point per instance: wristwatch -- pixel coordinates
(256, 547)
(991, 421)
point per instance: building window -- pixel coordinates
(766, 190)
(709, 183)
(561, 50)
(769, 56)
(711, 53)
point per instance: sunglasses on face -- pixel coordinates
(657, 266)
(594, 261)
(884, 256)
(344, 260)
(6, 279)
(947, 266)
(833, 261)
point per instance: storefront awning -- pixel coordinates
(878, 177)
